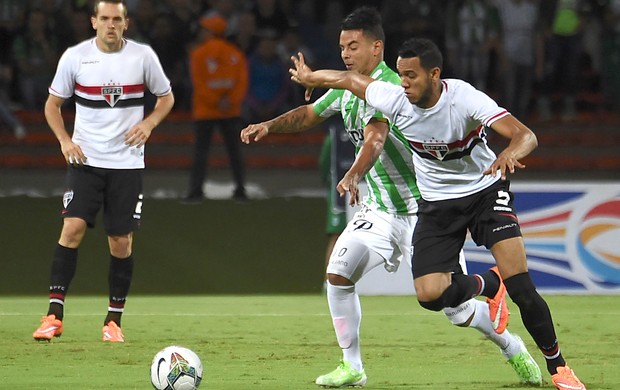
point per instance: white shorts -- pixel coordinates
(372, 238)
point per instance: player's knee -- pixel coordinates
(462, 314)
(338, 280)
(434, 305)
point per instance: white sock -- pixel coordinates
(346, 311)
(482, 321)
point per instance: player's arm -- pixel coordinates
(72, 152)
(296, 120)
(140, 133)
(522, 142)
(375, 133)
(352, 81)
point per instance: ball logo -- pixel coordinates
(599, 238)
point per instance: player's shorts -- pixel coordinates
(118, 191)
(370, 239)
(442, 227)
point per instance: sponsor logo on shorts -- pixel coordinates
(502, 208)
(499, 228)
(362, 224)
(341, 263)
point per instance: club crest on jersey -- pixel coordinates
(112, 94)
(438, 150)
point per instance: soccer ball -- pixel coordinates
(176, 368)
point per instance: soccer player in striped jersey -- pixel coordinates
(380, 234)
(463, 186)
(107, 76)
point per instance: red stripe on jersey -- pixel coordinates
(494, 117)
(456, 144)
(96, 90)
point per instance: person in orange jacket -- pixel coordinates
(220, 81)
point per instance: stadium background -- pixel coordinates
(275, 242)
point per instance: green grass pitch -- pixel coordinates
(277, 342)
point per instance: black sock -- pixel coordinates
(64, 263)
(536, 318)
(491, 284)
(463, 288)
(119, 280)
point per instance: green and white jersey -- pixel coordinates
(391, 182)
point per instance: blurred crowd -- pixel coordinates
(542, 57)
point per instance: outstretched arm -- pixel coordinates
(522, 142)
(294, 121)
(352, 81)
(375, 133)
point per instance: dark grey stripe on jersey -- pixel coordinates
(450, 156)
(135, 102)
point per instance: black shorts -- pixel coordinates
(119, 191)
(442, 227)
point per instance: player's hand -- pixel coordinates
(349, 183)
(254, 131)
(504, 164)
(302, 74)
(138, 135)
(73, 153)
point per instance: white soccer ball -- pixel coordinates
(176, 368)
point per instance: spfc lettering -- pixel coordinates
(438, 150)
(112, 94)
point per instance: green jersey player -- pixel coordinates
(380, 233)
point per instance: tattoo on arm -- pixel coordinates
(292, 121)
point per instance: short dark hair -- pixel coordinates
(96, 5)
(367, 19)
(429, 53)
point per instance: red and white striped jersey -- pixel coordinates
(109, 93)
(450, 150)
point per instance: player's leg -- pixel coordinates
(355, 253)
(122, 214)
(81, 202)
(475, 314)
(203, 132)
(230, 134)
(535, 314)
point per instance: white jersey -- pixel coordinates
(449, 145)
(109, 98)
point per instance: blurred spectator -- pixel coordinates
(173, 57)
(141, 24)
(471, 35)
(290, 44)
(521, 45)
(57, 23)
(220, 79)
(183, 16)
(611, 56)
(35, 53)
(563, 47)
(81, 28)
(269, 81)
(270, 16)
(246, 34)
(413, 18)
(6, 113)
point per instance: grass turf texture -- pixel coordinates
(277, 342)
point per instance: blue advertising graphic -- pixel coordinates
(572, 240)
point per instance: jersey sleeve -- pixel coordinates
(386, 98)
(156, 80)
(481, 107)
(328, 104)
(63, 84)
